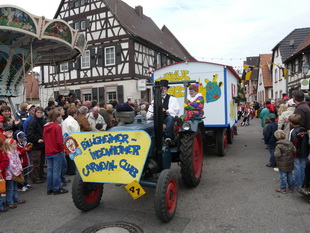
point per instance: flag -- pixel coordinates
(247, 72)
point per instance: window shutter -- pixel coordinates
(101, 94)
(56, 94)
(120, 93)
(118, 54)
(92, 57)
(71, 66)
(78, 93)
(100, 56)
(87, 24)
(77, 64)
(155, 60)
(94, 92)
(58, 69)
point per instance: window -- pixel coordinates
(158, 65)
(86, 94)
(85, 61)
(82, 25)
(296, 66)
(77, 25)
(111, 93)
(276, 75)
(86, 97)
(64, 67)
(77, 3)
(109, 55)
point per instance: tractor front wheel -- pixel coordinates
(86, 196)
(166, 196)
(191, 157)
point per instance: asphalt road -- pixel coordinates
(236, 194)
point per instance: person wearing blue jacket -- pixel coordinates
(271, 140)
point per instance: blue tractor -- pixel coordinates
(186, 149)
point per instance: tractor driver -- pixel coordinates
(171, 109)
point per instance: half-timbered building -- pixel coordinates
(124, 46)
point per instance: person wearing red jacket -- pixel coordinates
(52, 136)
(4, 162)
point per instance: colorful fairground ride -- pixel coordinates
(27, 41)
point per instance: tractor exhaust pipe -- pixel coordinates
(158, 121)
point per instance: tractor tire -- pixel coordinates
(221, 142)
(191, 157)
(166, 196)
(86, 196)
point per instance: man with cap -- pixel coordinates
(171, 109)
(271, 140)
(302, 109)
(22, 115)
(31, 110)
(284, 96)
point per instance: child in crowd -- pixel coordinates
(52, 136)
(14, 169)
(246, 117)
(4, 162)
(271, 140)
(267, 121)
(300, 138)
(23, 148)
(284, 158)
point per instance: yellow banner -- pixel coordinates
(109, 157)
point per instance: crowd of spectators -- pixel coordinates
(286, 124)
(32, 140)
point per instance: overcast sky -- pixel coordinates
(221, 31)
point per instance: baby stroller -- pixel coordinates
(246, 118)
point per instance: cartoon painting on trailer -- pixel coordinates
(211, 91)
(109, 157)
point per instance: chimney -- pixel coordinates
(139, 10)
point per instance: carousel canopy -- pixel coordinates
(27, 41)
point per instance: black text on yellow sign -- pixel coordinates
(135, 189)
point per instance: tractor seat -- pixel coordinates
(125, 116)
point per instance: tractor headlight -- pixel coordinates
(186, 126)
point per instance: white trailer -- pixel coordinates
(218, 85)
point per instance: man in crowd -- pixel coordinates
(302, 109)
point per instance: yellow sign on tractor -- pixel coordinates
(109, 157)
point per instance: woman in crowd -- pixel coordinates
(35, 136)
(7, 115)
(82, 120)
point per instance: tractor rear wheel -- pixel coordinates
(86, 196)
(221, 142)
(230, 134)
(191, 157)
(166, 196)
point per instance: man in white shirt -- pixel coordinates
(171, 109)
